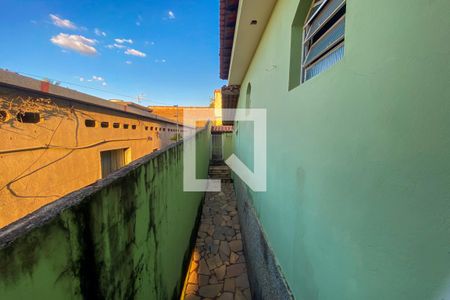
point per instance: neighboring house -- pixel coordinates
(56, 140)
(175, 113)
(201, 113)
(357, 96)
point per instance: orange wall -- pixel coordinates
(31, 179)
(170, 112)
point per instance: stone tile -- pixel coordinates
(213, 280)
(238, 295)
(236, 245)
(242, 281)
(235, 270)
(220, 272)
(192, 297)
(203, 228)
(224, 258)
(203, 280)
(233, 258)
(218, 220)
(191, 289)
(193, 266)
(226, 296)
(196, 255)
(203, 267)
(208, 241)
(229, 285)
(241, 259)
(224, 248)
(210, 290)
(193, 278)
(213, 249)
(214, 262)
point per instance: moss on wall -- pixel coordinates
(128, 240)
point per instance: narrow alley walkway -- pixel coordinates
(218, 268)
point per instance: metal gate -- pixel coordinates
(217, 147)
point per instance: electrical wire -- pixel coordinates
(49, 146)
(40, 77)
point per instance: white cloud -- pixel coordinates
(93, 78)
(118, 46)
(171, 15)
(121, 41)
(98, 78)
(128, 62)
(63, 23)
(139, 20)
(74, 42)
(99, 32)
(160, 61)
(135, 53)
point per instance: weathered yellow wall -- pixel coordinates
(31, 179)
(171, 112)
(218, 107)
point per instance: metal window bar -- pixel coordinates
(330, 46)
(329, 39)
(326, 62)
(314, 10)
(322, 18)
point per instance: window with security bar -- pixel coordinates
(323, 37)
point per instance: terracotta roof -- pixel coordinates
(221, 129)
(230, 97)
(228, 15)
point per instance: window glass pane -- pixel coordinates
(328, 39)
(317, 4)
(326, 12)
(325, 63)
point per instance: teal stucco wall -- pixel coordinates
(128, 236)
(227, 140)
(357, 204)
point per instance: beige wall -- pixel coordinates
(32, 178)
(174, 113)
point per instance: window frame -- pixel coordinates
(307, 37)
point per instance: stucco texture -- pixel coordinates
(32, 178)
(128, 236)
(357, 204)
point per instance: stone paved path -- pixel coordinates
(218, 269)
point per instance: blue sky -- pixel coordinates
(166, 50)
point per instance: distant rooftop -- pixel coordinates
(13, 79)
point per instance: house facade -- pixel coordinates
(55, 140)
(358, 171)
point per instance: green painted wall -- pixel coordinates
(227, 140)
(131, 239)
(358, 205)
